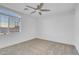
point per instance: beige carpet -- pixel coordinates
(39, 47)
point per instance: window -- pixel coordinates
(9, 23)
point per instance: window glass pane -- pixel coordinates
(3, 21)
(11, 22)
(14, 24)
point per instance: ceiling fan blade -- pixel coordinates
(33, 12)
(44, 10)
(39, 6)
(31, 7)
(25, 8)
(40, 13)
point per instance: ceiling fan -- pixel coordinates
(38, 9)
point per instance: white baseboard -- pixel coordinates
(45, 38)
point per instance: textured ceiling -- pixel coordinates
(54, 7)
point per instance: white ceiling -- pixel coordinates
(54, 7)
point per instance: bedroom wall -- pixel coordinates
(58, 28)
(76, 28)
(27, 32)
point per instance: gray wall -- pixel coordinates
(58, 28)
(76, 28)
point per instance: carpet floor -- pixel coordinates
(39, 47)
